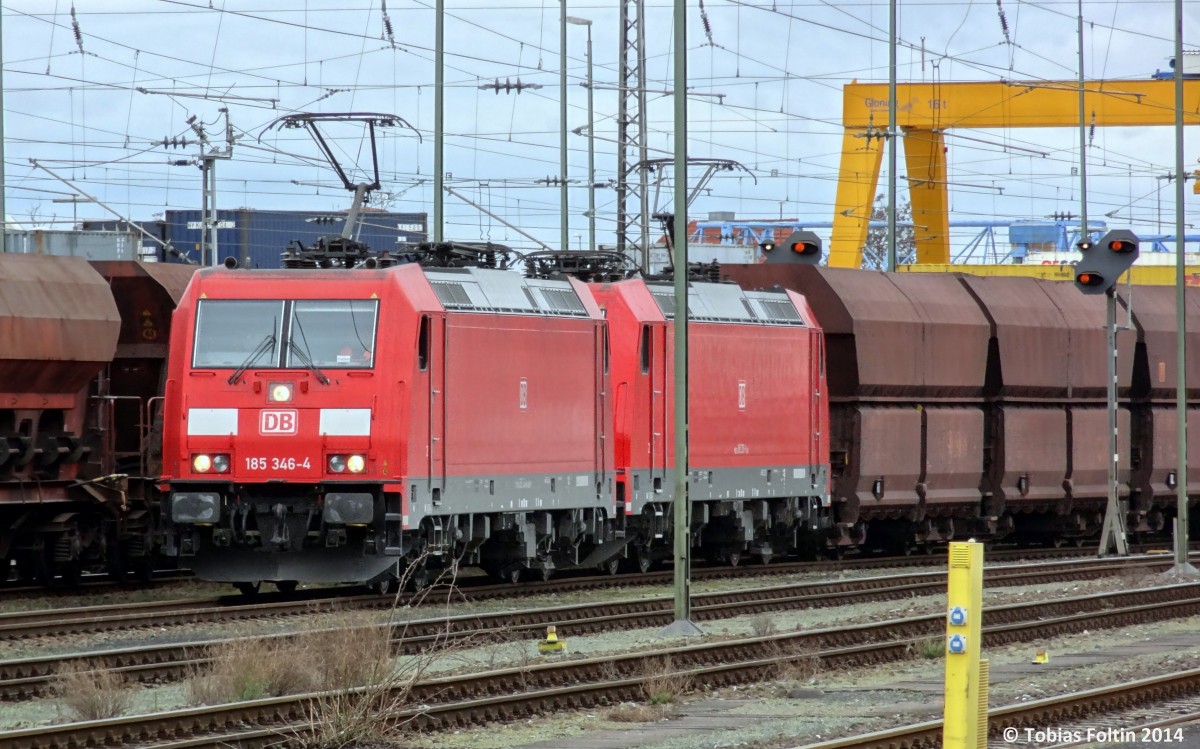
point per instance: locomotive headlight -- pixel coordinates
(337, 463)
(220, 463)
(279, 392)
(356, 463)
(201, 463)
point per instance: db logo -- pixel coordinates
(277, 422)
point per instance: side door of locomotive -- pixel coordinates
(433, 345)
(658, 359)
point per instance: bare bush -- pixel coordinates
(762, 625)
(249, 669)
(662, 684)
(796, 663)
(351, 651)
(91, 695)
(380, 711)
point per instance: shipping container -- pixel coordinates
(89, 245)
(258, 238)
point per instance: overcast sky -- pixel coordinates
(95, 106)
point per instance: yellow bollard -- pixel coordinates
(965, 717)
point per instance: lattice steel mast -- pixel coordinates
(633, 229)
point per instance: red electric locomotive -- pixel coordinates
(758, 419)
(338, 425)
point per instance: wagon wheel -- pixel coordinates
(43, 567)
(733, 558)
(71, 573)
(26, 568)
(286, 586)
(248, 588)
(612, 566)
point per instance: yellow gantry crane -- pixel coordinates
(924, 111)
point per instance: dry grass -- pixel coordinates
(762, 625)
(249, 669)
(91, 695)
(351, 651)
(662, 684)
(631, 713)
(801, 664)
(932, 648)
(379, 712)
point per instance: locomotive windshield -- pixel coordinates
(332, 333)
(318, 333)
(233, 333)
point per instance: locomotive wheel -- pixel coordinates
(286, 586)
(733, 558)
(765, 558)
(248, 588)
(644, 560)
(513, 575)
(421, 578)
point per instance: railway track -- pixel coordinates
(31, 677)
(192, 611)
(101, 584)
(532, 690)
(1177, 695)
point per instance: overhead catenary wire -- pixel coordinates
(496, 150)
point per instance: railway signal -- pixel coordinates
(801, 246)
(1104, 261)
(1097, 273)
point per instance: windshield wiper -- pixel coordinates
(307, 361)
(268, 344)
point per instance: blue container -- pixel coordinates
(258, 238)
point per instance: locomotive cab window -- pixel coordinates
(234, 333)
(337, 334)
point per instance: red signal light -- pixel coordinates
(806, 248)
(1122, 245)
(1089, 279)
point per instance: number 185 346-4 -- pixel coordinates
(277, 464)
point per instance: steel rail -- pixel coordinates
(32, 677)
(1055, 711)
(107, 618)
(459, 701)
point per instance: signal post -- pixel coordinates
(1103, 263)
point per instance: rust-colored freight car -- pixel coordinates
(77, 381)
